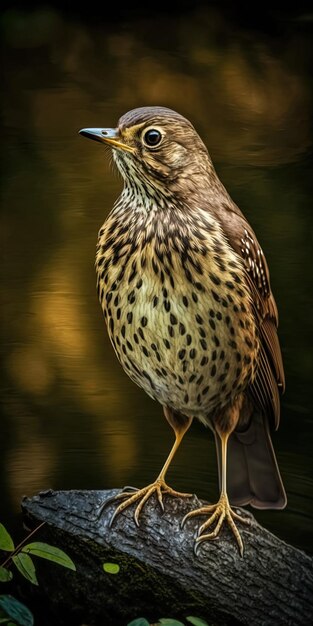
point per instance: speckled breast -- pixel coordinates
(178, 311)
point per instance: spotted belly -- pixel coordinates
(190, 345)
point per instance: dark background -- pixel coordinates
(71, 418)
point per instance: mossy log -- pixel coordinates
(159, 575)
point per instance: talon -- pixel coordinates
(222, 512)
(141, 504)
(160, 499)
(132, 495)
(212, 519)
(105, 504)
(183, 522)
(201, 511)
(118, 496)
(136, 518)
(112, 519)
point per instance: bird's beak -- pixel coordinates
(109, 136)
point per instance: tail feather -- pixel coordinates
(252, 472)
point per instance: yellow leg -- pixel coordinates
(159, 487)
(220, 512)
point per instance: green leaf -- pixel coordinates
(6, 541)
(140, 621)
(112, 568)
(168, 621)
(51, 553)
(196, 621)
(5, 620)
(26, 567)
(5, 575)
(16, 611)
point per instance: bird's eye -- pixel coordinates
(152, 137)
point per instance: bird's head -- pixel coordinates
(154, 146)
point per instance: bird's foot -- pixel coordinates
(219, 513)
(140, 496)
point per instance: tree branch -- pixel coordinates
(159, 574)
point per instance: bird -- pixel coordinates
(185, 291)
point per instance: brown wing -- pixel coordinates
(270, 380)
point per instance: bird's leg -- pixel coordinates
(220, 512)
(180, 425)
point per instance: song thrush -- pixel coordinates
(185, 291)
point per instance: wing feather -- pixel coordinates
(270, 379)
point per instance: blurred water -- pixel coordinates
(71, 418)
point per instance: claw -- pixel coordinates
(142, 502)
(105, 504)
(130, 488)
(160, 499)
(118, 496)
(132, 495)
(222, 512)
(201, 511)
(212, 519)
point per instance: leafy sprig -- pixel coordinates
(12, 611)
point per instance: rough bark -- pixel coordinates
(159, 574)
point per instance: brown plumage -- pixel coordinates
(185, 291)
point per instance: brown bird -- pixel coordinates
(185, 291)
